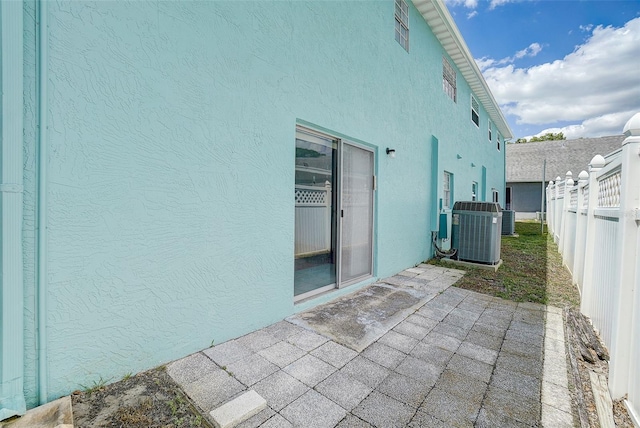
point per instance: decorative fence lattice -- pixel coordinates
(311, 197)
(609, 191)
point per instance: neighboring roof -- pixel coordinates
(525, 160)
(437, 16)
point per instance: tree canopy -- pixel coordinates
(549, 136)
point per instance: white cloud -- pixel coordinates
(586, 28)
(532, 50)
(600, 126)
(472, 14)
(496, 3)
(597, 86)
(469, 4)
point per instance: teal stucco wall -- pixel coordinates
(171, 164)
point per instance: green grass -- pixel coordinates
(532, 271)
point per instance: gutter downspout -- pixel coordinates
(12, 400)
(42, 198)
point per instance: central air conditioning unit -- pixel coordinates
(476, 229)
(508, 222)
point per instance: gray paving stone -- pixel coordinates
(282, 353)
(464, 313)
(412, 330)
(211, 390)
(257, 340)
(524, 385)
(490, 419)
(514, 406)
(228, 352)
(459, 321)
(532, 306)
(383, 411)
(277, 421)
(473, 305)
(450, 409)
(310, 370)
(420, 370)
(283, 330)
(384, 355)
(519, 363)
(555, 418)
(307, 340)
(398, 341)
(408, 273)
(477, 352)
(398, 280)
(191, 368)
(351, 421)
(491, 330)
(258, 419)
(462, 386)
(334, 354)
(556, 396)
(554, 345)
(442, 341)
(527, 328)
(431, 354)
(422, 420)
(434, 313)
(280, 389)
(470, 367)
(451, 330)
(485, 340)
(556, 374)
(365, 371)
(519, 348)
(252, 369)
(530, 339)
(344, 390)
(314, 411)
(404, 389)
(422, 321)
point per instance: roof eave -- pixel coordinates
(437, 16)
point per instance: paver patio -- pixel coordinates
(451, 358)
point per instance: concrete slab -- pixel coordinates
(383, 411)
(451, 409)
(404, 389)
(344, 390)
(431, 354)
(191, 368)
(213, 389)
(399, 341)
(252, 369)
(384, 355)
(334, 354)
(310, 370)
(461, 386)
(366, 371)
(307, 340)
(475, 265)
(351, 421)
(420, 370)
(469, 367)
(313, 410)
(227, 353)
(360, 319)
(237, 410)
(280, 389)
(282, 353)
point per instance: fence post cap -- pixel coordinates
(597, 162)
(558, 179)
(568, 175)
(632, 127)
(584, 175)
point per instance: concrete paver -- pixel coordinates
(455, 358)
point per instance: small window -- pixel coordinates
(474, 191)
(475, 109)
(402, 24)
(447, 194)
(498, 137)
(494, 194)
(449, 79)
(491, 132)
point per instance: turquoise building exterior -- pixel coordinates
(150, 152)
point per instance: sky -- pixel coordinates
(569, 66)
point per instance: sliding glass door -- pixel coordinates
(334, 188)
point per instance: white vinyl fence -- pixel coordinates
(596, 224)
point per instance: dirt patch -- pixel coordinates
(147, 400)
(582, 393)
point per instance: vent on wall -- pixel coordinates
(476, 229)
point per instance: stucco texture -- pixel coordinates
(171, 164)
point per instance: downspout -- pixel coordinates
(12, 400)
(42, 199)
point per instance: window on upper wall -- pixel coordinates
(475, 111)
(494, 195)
(491, 130)
(402, 24)
(447, 193)
(449, 79)
(498, 141)
(474, 191)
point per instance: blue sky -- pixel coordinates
(568, 66)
